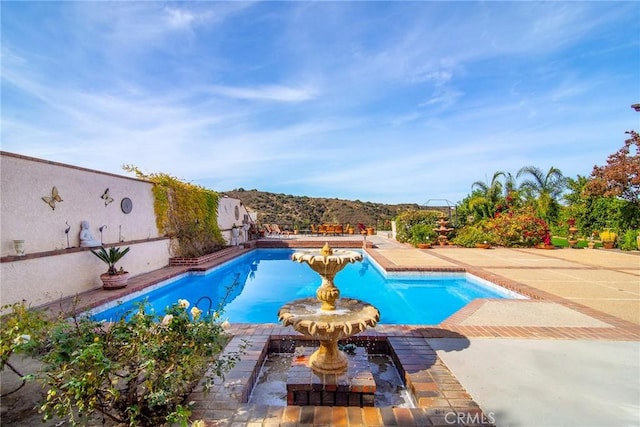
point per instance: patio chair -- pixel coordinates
(280, 232)
(269, 232)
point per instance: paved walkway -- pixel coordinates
(532, 382)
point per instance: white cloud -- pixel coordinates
(180, 18)
(268, 92)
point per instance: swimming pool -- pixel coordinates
(257, 284)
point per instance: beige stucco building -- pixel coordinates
(53, 264)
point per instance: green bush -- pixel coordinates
(136, 371)
(406, 221)
(422, 233)
(469, 235)
(23, 331)
(629, 241)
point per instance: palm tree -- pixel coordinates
(486, 196)
(543, 190)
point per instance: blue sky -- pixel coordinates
(391, 102)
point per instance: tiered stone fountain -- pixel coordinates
(443, 230)
(328, 377)
(328, 318)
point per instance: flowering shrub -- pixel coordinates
(519, 228)
(135, 371)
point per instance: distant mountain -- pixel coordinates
(288, 210)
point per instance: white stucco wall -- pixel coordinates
(24, 215)
(43, 275)
(230, 212)
(45, 279)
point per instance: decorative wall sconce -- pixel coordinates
(66, 231)
(101, 229)
(55, 197)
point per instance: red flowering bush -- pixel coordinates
(519, 228)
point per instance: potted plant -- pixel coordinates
(424, 245)
(422, 236)
(608, 238)
(114, 278)
(546, 241)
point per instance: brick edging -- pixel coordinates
(183, 261)
(436, 390)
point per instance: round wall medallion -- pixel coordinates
(126, 205)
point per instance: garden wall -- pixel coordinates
(52, 265)
(233, 212)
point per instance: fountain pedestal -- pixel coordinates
(355, 386)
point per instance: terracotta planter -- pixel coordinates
(483, 245)
(543, 246)
(115, 281)
(370, 231)
(591, 245)
(608, 245)
(424, 245)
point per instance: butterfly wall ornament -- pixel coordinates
(55, 198)
(106, 197)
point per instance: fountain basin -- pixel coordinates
(350, 317)
(327, 262)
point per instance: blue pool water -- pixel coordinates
(257, 284)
